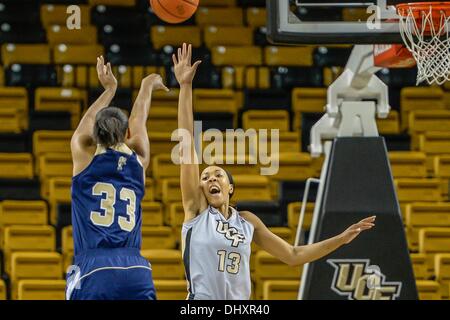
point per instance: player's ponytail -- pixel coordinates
(110, 127)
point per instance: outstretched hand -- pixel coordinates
(184, 71)
(354, 230)
(105, 74)
(154, 81)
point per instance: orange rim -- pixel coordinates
(438, 8)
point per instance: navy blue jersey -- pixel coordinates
(106, 201)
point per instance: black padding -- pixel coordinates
(19, 189)
(30, 75)
(267, 211)
(132, 55)
(267, 99)
(215, 120)
(405, 77)
(359, 184)
(291, 77)
(331, 57)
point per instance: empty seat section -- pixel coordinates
(288, 56)
(267, 119)
(152, 214)
(408, 164)
(59, 34)
(42, 290)
(428, 290)
(419, 263)
(25, 54)
(171, 289)
(16, 166)
(56, 14)
(212, 100)
(442, 167)
(281, 289)
(429, 120)
(228, 36)
(236, 56)
(76, 54)
(294, 214)
(251, 188)
(433, 241)
(52, 165)
(59, 192)
(409, 190)
(175, 36)
(256, 17)
(15, 99)
(442, 270)
(390, 125)
(219, 16)
(294, 166)
(157, 238)
(166, 264)
(23, 213)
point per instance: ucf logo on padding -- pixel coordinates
(358, 280)
(230, 233)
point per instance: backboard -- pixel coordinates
(333, 21)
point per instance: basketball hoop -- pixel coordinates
(424, 27)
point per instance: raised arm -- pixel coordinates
(82, 143)
(138, 139)
(192, 196)
(298, 255)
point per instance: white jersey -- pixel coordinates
(216, 254)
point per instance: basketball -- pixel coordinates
(174, 11)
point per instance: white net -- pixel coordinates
(428, 40)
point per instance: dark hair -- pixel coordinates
(231, 180)
(110, 127)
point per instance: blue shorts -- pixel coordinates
(110, 274)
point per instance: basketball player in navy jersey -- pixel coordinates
(216, 237)
(110, 155)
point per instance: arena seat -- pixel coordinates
(408, 164)
(41, 290)
(442, 166)
(428, 290)
(15, 98)
(67, 246)
(174, 215)
(52, 165)
(166, 264)
(294, 214)
(170, 191)
(175, 36)
(280, 289)
(11, 120)
(227, 36)
(13, 212)
(433, 241)
(309, 99)
(421, 215)
(149, 190)
(16, 166)
(267, 119)
(267, 211)
(56, 14)
(157, 238)
(419, 263)
(434, 142)
(288, 56)
(442, 271)
(294, 166)
(59, 191)
(410, 190)
(419, 98)
(152, 214)
(78, 76)
(214, 100)
(25, 53)
(56, 99)
(219, 16)
(171, 289)
(237, 56)
(48, 141)
(268, 267)
(59, 34)
(251, 188)
(76, 54)
(163, 167)
(390, 125)
(256, 17)
(429, 120)
(2, 290)
(160, 142)
(288, 142)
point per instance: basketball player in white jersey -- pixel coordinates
(217, 238)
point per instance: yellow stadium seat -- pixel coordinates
(219, 16)
(421, 215)
(77, 54)
(59, 191)
(429, 120)
(228, 36)
(433, 241)
(149, 190)
(52, 165)
(420, 98)
(267, 267)
(59, 34)
(166, 264)
(67, 246)
(160, 142)
(163, 167)
(256, 17)
(25, 53)
(15, 98)
(131, 76)
(428, 290)
(287, 141)
(288, 56)
(46, 141)
(157, 238)
(419, 263)
(237, 56)
(2, 290)
(294, 166)
(283, 232)
(409, 190)
(240, 164)
(16, 165)
(166, 99)
(251, 188)
(15, 212)
(309, 99)
(408, 164)
(280, 289)
(152, 214)
(171, 289)
(57, 14)
(170, 190)
(442, 167)
(331, 74)
(36, 265)
(175, 36)
(175, 215)
(214, 100)
(42, 290)
(294, 214)
(390, 125)
(434, 142)
(442, 270)
(11, 120)
(162, 119)
(267, 119)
